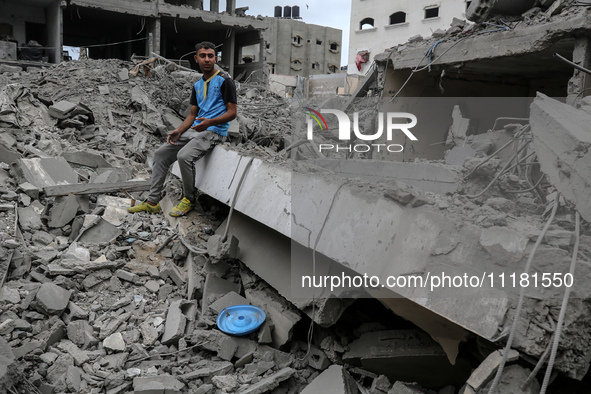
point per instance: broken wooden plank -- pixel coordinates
(95, 188)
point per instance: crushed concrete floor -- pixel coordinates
(95, 300)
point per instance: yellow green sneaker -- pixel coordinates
(145, 207)
(182, 208)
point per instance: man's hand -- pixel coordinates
(205, 123)
(173, 137)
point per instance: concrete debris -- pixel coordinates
(94, 301)
(562, 140)
(488, 368)
(335, 379)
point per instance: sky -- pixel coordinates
(331, 13)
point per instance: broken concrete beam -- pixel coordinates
(95, 188)
(165, 384)
(335, 379)
(269, 383)
(282, 314)
(562, 141)
(46, 172)
(52, 299)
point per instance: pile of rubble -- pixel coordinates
(95, 300)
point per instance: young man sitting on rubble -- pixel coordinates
(213, 106)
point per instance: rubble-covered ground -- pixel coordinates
(95, 300)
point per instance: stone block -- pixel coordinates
(52, 299)
(230, 299)
(335, 379)
(114, 342)
(172, 271)
(175, 325)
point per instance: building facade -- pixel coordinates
(377, 25)
(293, 47)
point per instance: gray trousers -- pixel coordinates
(192, 146)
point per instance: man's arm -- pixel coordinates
(175, 134)
(227, 116)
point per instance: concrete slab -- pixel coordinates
(86, 159)
(561, 139)
(46, 172)
(214, 288)
(63, 212)
(335, 380)
(101, 232)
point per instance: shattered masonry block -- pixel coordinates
(62, 109)
(86, 159)
(317, 359)
(114, 342)
(404, 388)
(81, 333)
(269, 383)
(172, 271)
(230, 299)
(175, 323)
(80, 356)
(127, 276)
(52, 299)
(335, 379)
(485, 371)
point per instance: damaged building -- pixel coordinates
(467, 251)
(169, 28)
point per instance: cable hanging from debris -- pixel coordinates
(565, 60)
(143, 25)
(513, 329)
(573, 265)
(101, 45)
(503, 171)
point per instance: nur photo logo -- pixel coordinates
(349, 132)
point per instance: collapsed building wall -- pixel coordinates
(513, 59)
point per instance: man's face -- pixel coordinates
(206, 58)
